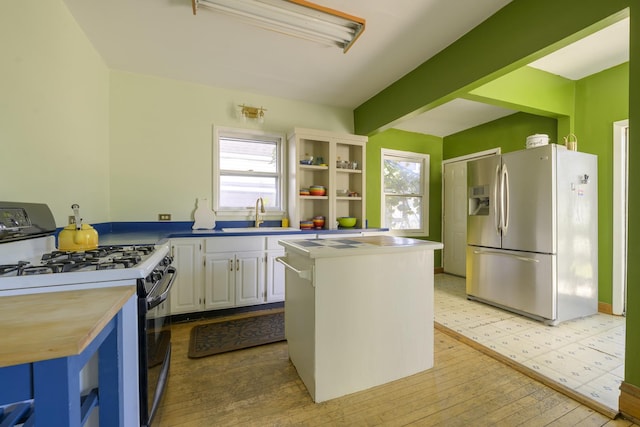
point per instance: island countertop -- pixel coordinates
(57, 324)
(335, 247)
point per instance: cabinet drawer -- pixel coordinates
(234, 244)
(272, 241)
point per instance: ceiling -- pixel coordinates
(163, 38)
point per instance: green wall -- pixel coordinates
(602, 99)
(509, 133)
(632, 347)
(407, 141)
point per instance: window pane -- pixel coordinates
(244, 155)
(402, 176)
(243, 191)
(403, 213)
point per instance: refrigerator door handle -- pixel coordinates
(504, 200)
(497, 195)
(518, 257)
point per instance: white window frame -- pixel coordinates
(386, 153)
(258, 135)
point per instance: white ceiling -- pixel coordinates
(164, 38)
(452, 117)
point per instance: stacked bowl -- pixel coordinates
(318, 221)
(317, 190)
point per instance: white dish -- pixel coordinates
(537, 140)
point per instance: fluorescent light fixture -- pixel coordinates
(298, 18)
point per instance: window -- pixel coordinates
(405, 198)
(247, 165)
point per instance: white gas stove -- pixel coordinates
(30, 262)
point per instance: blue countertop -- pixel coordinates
(127, 233)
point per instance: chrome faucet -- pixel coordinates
(258, 212)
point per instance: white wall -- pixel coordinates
(161, 140)
(54, 117)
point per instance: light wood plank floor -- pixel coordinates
(260, 387)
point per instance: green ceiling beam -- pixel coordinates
(519, 33)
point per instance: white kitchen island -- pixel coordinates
(358, 311)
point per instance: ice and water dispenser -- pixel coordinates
(479, 200)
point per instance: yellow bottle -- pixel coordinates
(285, 222)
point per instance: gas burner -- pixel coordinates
(101, 258)
(59, 256)
(56, 267)
(10, 268)
(34, 270)
(146, 250)
(128, 259)
(83, 266)
(110, 265)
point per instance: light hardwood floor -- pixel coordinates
(260, 387)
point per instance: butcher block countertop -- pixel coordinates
(57, 324)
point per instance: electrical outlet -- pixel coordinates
(164, 217)
(72, 219)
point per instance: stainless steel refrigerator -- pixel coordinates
(532, 232)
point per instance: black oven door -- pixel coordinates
(155, 345)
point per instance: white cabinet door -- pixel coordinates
(219, 281)
(234, 280)
(275, 277)
(186, 293)
(249, 278)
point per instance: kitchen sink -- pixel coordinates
(259, 229)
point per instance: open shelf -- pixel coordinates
(326, 148)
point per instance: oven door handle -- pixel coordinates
(159, 299)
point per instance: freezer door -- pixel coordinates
(520, 281)
(530, 198)
(483, 207)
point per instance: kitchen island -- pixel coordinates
(358, 311)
